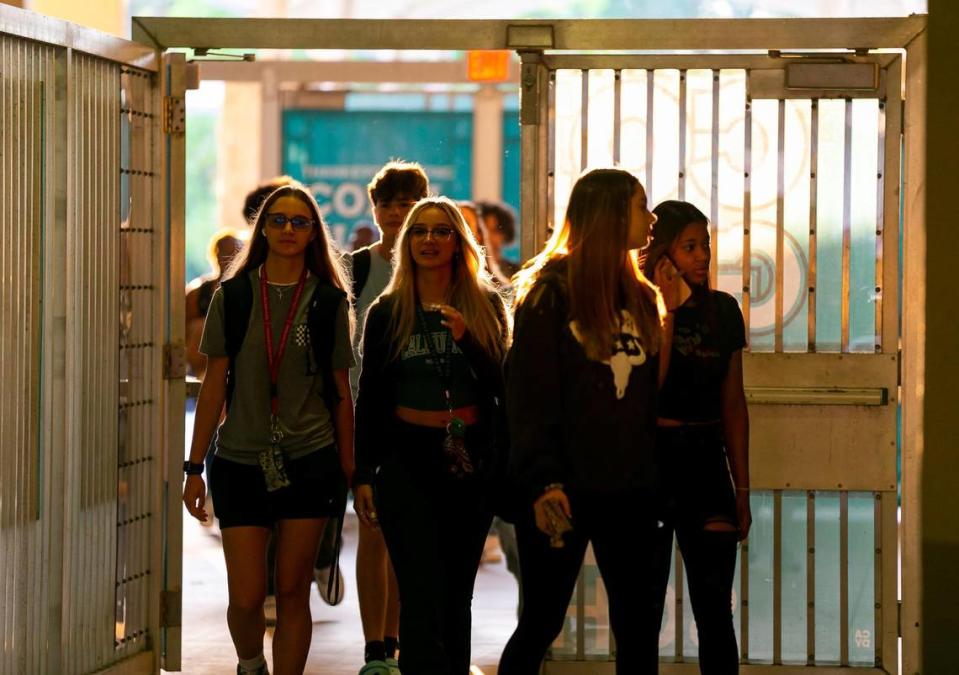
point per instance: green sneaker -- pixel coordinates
(393, 665)
(376, 667)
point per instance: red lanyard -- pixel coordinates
(274, 359)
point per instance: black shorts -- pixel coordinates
(694, 475)
(317, 490)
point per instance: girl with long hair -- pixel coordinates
(702, 436)
(277, 340)
(581, 401)
(429, 429)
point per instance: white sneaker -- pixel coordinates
(269, 610)
(322, 577)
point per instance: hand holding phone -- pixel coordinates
(671, 283)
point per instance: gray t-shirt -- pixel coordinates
(381, 271)
(304, 419)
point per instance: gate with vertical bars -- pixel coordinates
(796, 159)
(85, 401)
(804, 162)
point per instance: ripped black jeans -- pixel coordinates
(698, 493)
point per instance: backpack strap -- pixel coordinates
(362, 261)
(237, 306)
(321, 319)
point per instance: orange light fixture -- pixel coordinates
(488, 65)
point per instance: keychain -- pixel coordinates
(454, 445)
(272, 462)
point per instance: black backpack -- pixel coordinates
(321, 319)
(362, 260)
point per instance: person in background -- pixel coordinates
(429, 426)
(278, 344)
(499, 223)
(582, 382)
(224, 245)
(393, 191)
(364, 234)
(702, 436)
(477, 226)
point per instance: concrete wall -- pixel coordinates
(109, 16)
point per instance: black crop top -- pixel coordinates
(418, 384)
(704, 338)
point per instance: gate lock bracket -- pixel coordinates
(174, 115)
(174, 361)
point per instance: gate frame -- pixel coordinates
(532, 37)
(69, 40)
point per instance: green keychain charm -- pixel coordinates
(454, 445)
(456, 427)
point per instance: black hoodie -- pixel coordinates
(567, 425)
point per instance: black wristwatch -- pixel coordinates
(191, 469)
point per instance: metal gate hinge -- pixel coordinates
(174, 361)
(174, 115)
(171, 604)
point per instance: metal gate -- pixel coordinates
(808, 239)
(796, 158)
(86, 302)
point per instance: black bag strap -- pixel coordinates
(321, 318)
(237, 307)
(362, 261)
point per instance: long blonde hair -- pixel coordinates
(603, 276)
(469, 290)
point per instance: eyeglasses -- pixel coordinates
(279, 221)
(438, 233)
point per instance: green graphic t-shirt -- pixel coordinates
(419, 385)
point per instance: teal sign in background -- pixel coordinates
(336, 153)
(511, 165)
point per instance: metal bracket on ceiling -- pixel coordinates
(530, 37)
(209, 54)
(820, 57)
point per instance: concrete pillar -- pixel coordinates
(271, 125)
(238, 149)
(488, 144)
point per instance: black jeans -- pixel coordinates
(435, 527)
(697, 491)
(709, 558)
(632, 549)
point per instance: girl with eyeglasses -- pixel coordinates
(430, 428)
(277, 340)
(583, 374)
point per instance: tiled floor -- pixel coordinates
(337, 637)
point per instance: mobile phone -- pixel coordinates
(684, 290)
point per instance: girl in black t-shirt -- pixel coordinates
(429, 427)
(702, 435)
